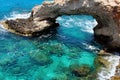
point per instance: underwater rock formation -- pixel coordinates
(80, 71)
(40, 57)
(7, 61)
(27, 27)
(106, 13)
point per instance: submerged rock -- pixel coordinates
(7, 60)
(61, 76)
(40, 57)
(56, 49)
(39, 74)
(15, 70)
(74, 52)
(53, 48)
(80, 71)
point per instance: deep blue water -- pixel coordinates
(9, 6)
(45, 58)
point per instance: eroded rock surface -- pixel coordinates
(117, 73)
(106, 12)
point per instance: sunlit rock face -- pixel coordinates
(106, 12)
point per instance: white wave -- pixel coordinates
(107, 73)
(90, 47)
(89, 26)
(15, 15)
(83, 22)
(2, 30)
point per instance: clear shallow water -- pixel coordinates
(46, 58)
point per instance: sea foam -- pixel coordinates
(15, 15)
(107, 73)
(88, 23)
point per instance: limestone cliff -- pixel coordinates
(106, 12)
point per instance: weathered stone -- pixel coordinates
(115, 78)
(106, 13)
(103, 62)
(118, 66)
(103, 53)
(117, 73)
(80, 71)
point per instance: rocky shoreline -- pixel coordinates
(107, 32)
(117, 73)
(110, 69)
(26, 27)
(43, 17)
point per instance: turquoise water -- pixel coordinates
(48, 57)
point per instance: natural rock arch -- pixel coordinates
(106, 12)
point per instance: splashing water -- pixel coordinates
(15, 15)
(107, 73)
